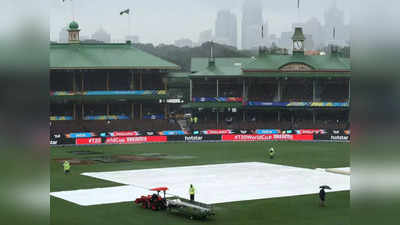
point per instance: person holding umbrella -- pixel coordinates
(271, 153)
(322, 194)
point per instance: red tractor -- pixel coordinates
(154, 201)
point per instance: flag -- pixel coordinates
(298, 4)
(262, 31)
(334, 33)
(126, 11)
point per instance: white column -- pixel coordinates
(279, 90)
(349, 97)
(244, 91)
(314, 91)
(191, 91)
(217, 88)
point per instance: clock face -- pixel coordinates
(298, 45)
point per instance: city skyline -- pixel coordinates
(149, 30)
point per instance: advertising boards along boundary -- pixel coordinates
(203, 138)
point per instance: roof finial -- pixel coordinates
(212, 49)
(211, 60)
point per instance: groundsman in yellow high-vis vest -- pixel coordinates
(67, 167)
(192, 192)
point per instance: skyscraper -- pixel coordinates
(102, 35)
(63, 35)
(334, 19)
(314, 28)
(226, 28)
(252, 21)
(205, 36)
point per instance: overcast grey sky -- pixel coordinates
(161, 21)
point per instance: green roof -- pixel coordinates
(223, 67)
(271, 65)
(104, 56)
(318, 63)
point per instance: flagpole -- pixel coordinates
(298, 11)
(73, 11)
(129, 24)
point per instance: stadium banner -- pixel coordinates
(121, 134)
(56, 136)
(267, 137)
(80, 135)
(135, 140)
(88, 141)
(298, 104)
(105, 117)
(62, 141)
(267, 104)
(332, 137)
(195, 138)
(242, 131)
(150, 133)
(102, 93)
(311, 131)
(154, 117)
(62, 118)
(172, 132)
(217, 99)
(213, 132)
(270, 131)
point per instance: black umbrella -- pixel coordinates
(325, 187)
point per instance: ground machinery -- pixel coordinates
(175, 204)
(154, 201)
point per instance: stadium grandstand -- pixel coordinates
(117, 87)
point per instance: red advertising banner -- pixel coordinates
(210, 132)
(311, 131)
(124, 133)
(135, 140)
(267, 137)
(88, 141)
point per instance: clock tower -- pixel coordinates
(298, 41)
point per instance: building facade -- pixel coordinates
(226, 28)
(103, 86)
(272, 91)
(252, 21)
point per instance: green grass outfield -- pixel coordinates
(300, 210)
